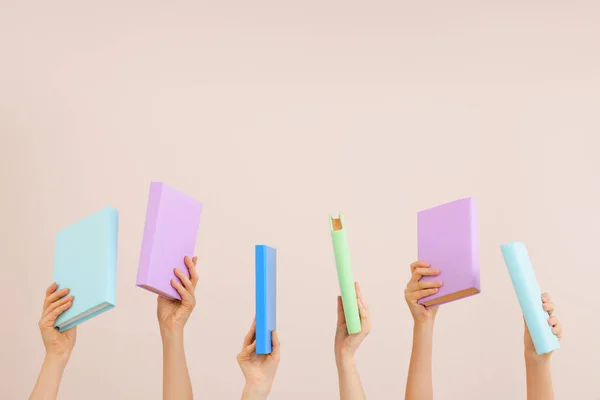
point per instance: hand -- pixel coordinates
(173, 314)
(552, 321)
(59, 344)
(258, 369)
(345, 345)
(416, 290)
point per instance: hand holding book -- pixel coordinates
(173, 314)
(57, 343)
(258, 369)
(548, 306)
(417, 289)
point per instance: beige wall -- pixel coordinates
(276, 116)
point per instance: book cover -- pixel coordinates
(341, 252)
(170, 230)
(448, 241)
(85, 261)
(266, 297)
(529, 294)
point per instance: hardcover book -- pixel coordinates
(341, 252)
(172, 220)
(530, 297)
(85, 261)
(447, 240)
(266, 296)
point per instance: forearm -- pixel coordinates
(419, 384)
(176, 378)
(48, 382)
(349, 380)
(539, 377)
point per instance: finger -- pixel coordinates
(421, 272)
(418, 264)
(552, 321)
(57, 304)
(54, 297)
(51, 317)
(185, 295)
(545, 298)
(249, 350)
(191, 266)
(428, 285)
(275, 345)
(361, 296)
(341, 318)
(51, 289)
(423, 293)
(250, 336)
(187, 283)
(557, 330)
(549, 308)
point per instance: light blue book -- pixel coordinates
(85, 261)
(266, 285)
(530, 297)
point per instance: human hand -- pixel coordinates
(258, 369)
(173, 314)
(345, 345)
(58, 344)
(552, 321)
(416, 290)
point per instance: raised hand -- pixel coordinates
(56, 343)
(346, 345)
(258, 369)
(416, 290)
(173, 314)
(557, 329)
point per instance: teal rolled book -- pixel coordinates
(85, 261)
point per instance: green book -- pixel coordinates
(344, 272)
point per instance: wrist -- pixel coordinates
(533, 359)
(344, 361)
(255, 391)
(57, 359)
(423, 326)
(171, 333)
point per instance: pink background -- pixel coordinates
(275, 115)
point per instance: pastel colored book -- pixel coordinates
(448, 241)
(341, 252)
(172, 221)
(266, 297)
(530, 297)
(85, 261)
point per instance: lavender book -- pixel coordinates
(447, 239)
(172, 220)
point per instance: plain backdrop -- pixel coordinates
(275, 114)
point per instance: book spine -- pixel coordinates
(263, 337)
(530, 297)
(341, 253)
(113, 255)
(150, 223)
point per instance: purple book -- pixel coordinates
(172, 220)
(447, 239)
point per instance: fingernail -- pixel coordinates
(435, 290)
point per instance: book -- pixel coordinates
(448, 241)
(530, 297)
(85, 261)
(170, 230)
(266, 297)
(341, 253)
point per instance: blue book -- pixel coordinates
(266, 283)
(85, 261)
(530, 297)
